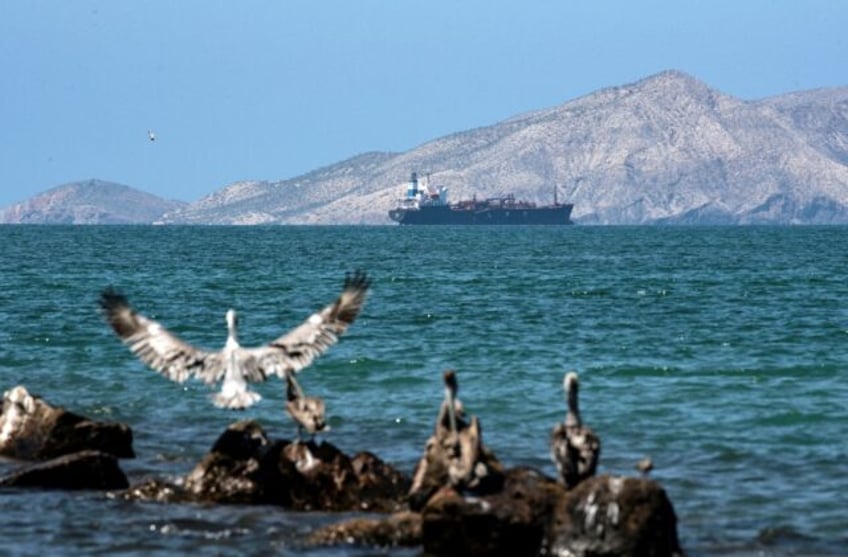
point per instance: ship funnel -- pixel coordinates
(412, 190)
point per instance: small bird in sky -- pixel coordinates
(150, 135)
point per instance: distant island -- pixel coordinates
(665, 150)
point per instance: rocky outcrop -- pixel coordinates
(74, 452)
(470, 506)
(79, 470)
(246, 467)
(32, 429)
(532, 515)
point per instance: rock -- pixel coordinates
(81, 470)
(535, 515)
(246, 467)
(615, 516)
(512, 521)
(379, 483)
(156, 490)
(31, 429)
(401, 529)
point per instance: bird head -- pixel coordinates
(570, 383)
(232, 320)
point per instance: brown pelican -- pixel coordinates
(574, 447)
(306, 411)
(451, 409)
(454, 455)
(235, 365)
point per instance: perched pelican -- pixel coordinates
(451, 408)
(306, 411)
(235, 365)
(150, 135)
(574, 447)
(454, 455)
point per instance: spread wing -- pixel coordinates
(296, 349)
(156, 346)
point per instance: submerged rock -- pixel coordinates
(80, 470)
(246, 467)
(31, 429)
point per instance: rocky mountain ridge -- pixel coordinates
(89, 202)
(665, 150)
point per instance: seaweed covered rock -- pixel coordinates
(246, 467)
(31, 429)
(80, 470)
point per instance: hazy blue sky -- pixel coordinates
(272, 89)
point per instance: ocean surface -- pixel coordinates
(721, 353)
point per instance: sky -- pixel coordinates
(270, 90)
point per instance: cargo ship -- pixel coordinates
(424, 204)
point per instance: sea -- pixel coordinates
(719, 352)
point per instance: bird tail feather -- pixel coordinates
(237, 401)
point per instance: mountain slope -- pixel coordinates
(89, 202)
(667, 149)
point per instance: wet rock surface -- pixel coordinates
(511, 521)
(246, 467)
(80, 470)
(32, 429)
(401, 529)
(615, 516)
(72, 451)
(531, 515)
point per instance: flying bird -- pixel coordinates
(235, 365)
(150, 135)
(575, 448)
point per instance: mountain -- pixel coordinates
(665, 150)
(89, 202)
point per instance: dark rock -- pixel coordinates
(402, 529)
(512, 521)
(246, 467)
(82, 470)
(615, 516)
(379, 483)
(535, 515)
(31, 429)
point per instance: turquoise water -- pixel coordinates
(720, 352)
